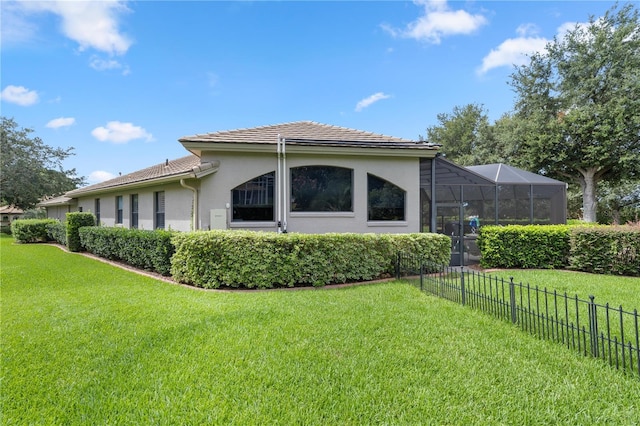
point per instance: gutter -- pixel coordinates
(198, 172)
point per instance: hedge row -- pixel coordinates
(596, 249)
(528, 246)
(606, 250)
(75, 221)
(57, 232)
(31, 230)
(143, 249)
(213, 259)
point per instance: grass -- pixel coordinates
(611, 289)
(85, 343)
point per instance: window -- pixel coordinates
(321, 189)
(158, 207)
(134, 211)
(385, 201)
(97, 209)
(119, 209)
(253, 200)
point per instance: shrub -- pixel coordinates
(263, 260)
(150, 250)
(31, 230)
(75, 221)
(606, 250)
(530, 246)
(57, 231)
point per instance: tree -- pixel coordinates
(620, 203)
(579, 105)
(30, 168)
(465, 135)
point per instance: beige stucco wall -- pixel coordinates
(235, 169)
(178, 207)
(60, 212)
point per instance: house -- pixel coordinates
(292, 177)
(7, 215)
(58, 207)
(316, 178)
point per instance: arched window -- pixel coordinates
(253, 200)
(321, 189)
(385, 201)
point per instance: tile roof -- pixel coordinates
(168, 168)
(10, 209)
(61, 200)
(301, 132)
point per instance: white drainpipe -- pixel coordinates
(194, 224)
(285, 175)
(198, 172)
(278, 187)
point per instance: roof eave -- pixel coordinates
(402, 150)
(77, 193)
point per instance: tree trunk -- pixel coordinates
(588, 183)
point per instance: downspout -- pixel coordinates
(284, 185)
(278, 187)
(433, 225)
(195, 221)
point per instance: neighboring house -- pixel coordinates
(312, 178)
(8, 214)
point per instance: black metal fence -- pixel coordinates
(597, 330)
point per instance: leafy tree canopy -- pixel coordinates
(31, 169)
(464, 134)
(578, 104)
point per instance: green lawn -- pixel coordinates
(611, 289)
(86, 343)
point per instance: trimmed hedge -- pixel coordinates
(143, 249)
(606, 250)
(212, 259)
(57, 232)
(75, 221)
(529, 246)
(31, 230)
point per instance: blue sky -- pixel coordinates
(121, 81)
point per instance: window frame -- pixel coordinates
(97, 210)
(159, 210)
(325, 188)
(119, 209)
(382, 182)
(266, 184)
(134, 200)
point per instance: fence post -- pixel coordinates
(512, 301)
(398, 265)
(593, 327)
(421, 275)
(462, 289)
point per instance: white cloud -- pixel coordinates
(370, 100)
(100, 64)
(56, 123)
(92, 24)
(513, 51)
(15, 28)
(19, 95)
(118, 132)
(516, 51)
(99, 176)
(438, 21)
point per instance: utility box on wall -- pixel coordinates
(218, 219)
